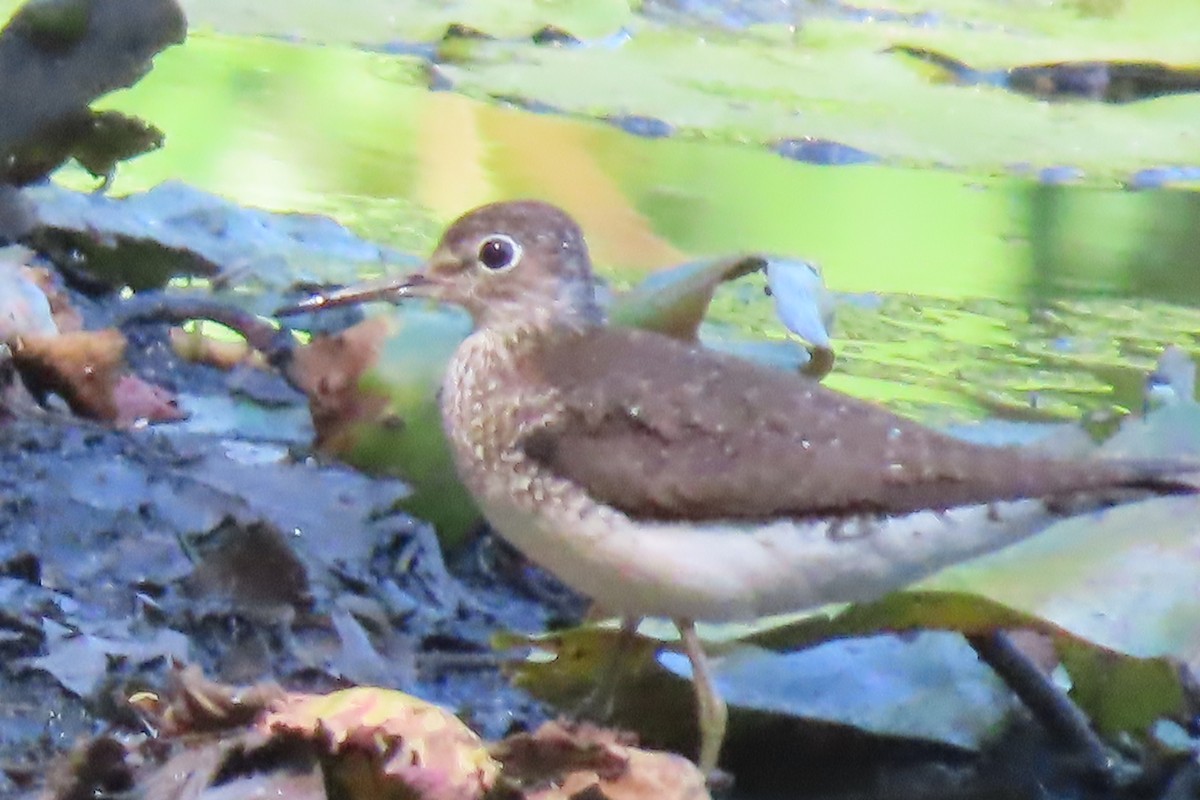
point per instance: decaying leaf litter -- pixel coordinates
(129, 548)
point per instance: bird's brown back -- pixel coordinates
(666, 430)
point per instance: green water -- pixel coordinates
(972, 292)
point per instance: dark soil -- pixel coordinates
(121, 551)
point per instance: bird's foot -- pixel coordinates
(718, 780)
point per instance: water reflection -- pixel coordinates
(1113, 242)
(966, 295)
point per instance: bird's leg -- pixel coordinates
(712, 710)
(599, 701)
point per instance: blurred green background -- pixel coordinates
(972, 285)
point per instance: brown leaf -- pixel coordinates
(407, 742)
(557, 748)
(95, 768)
(138, 400)
(195, 704)
(561, 761)
(252, 568)
(329, 369)
(87, 368)
(186, 774)
(82, 366)
(248, 765)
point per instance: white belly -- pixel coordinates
(725, 571)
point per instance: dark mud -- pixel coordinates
(122, 551)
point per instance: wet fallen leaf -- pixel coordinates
(95, 768)
(87, 369)
(406, 742)
(55, 354)
(1123, 693)
(329, 372)
(83, 367)
(192, 703)
(240, 766)
(801, 300)
(79, 661)
(361, 744)
(251, 568)
(560, 761)
(1122, 583)
(138, 400)
(930, 687)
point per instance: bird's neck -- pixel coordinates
(493, 395)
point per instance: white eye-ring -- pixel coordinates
(499, 252)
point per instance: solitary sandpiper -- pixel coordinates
(661, 478)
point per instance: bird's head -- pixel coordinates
(518, 262)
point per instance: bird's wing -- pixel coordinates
(663, 429)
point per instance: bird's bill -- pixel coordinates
(387, 289)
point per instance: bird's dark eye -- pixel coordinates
(499, 252)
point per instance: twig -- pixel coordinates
(1050, 705)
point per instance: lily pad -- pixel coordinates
(831, 80)
(674, 301)
(410, 21)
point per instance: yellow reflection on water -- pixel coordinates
(973, 295)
